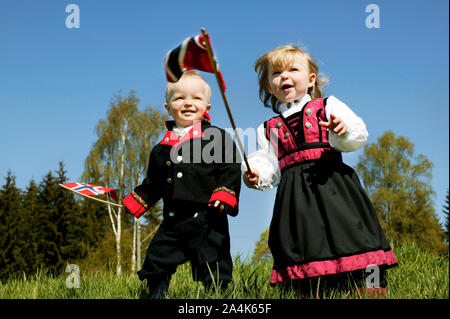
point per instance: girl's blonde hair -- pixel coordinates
(283, 56)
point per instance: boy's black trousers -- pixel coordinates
(195, 233)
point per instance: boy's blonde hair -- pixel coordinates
(191, 73)
(280, 57)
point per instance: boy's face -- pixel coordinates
(290, 82)
(188, 101)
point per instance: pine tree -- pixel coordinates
(48, 217)
(30, 210)
(11, 260)
(71, 225)
(60, 226)
(397, 182)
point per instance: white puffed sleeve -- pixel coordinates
(265, 161)
(356, 133)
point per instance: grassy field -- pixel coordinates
(419, 276)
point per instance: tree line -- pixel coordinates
(46, 227)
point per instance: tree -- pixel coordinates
(11, 262)
(397, 182)
(72, 224)
(445, 211)
(60, 226)
(144, 134)
(262, 251)
(29, 230)
(121, 153)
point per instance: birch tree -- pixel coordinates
(145, 132)
(124, 140)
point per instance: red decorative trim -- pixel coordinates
(170, 138)
(329, 267)
(135, 208)
(139, 199)
(227, 196)
(309, 154)
(223, 188)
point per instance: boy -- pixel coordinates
(195, 169)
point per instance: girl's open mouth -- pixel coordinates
(286, 87)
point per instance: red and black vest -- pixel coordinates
(299, 137)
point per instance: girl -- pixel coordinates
(323, 225)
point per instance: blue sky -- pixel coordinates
(56, 83)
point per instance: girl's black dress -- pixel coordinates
(323, 221)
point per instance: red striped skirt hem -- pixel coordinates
(335, 266)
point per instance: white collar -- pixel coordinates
(180, 131)
(290, 108)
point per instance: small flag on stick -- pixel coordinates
(191, 54)
(91, 190)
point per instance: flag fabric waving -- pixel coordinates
(191, 54)
(92, 190)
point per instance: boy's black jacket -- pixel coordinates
(203, 167)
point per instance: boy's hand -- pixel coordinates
(335, 125)
(251, 179)
(223, 207)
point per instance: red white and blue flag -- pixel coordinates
(191, 54)
(92, 190)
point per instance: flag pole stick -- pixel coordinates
(222, 91)
(91, 197)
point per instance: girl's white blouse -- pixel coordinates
(265, 161)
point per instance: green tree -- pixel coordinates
(145, 132)
(120, 156)
(28, 230)
(60, 226)
(397, 182)
(262, 250)
(11, 262)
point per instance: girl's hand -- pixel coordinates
(251, 179)
(223, 207)
(335, 125)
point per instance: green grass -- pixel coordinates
(418, 276)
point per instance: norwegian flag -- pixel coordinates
(92, 190)
(191, 54)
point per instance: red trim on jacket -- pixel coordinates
(134, 207)
(170, 138)
(225, 195)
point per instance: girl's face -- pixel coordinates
(291, 81)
